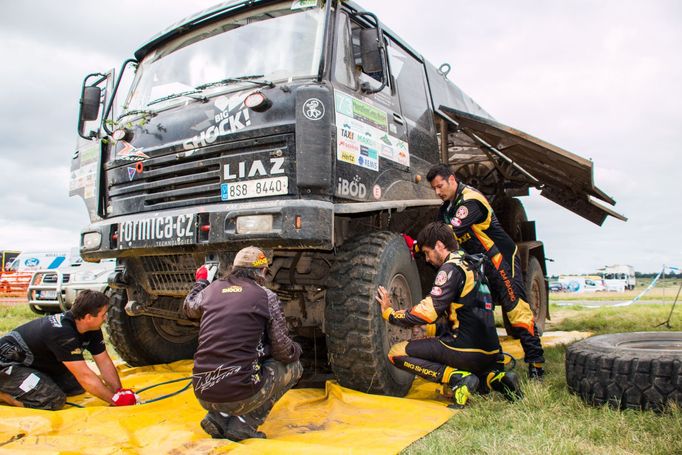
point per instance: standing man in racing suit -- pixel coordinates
(246, 360)
(477, 229)
(461, 344)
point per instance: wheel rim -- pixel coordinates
(535, 296)
(399, 290)
(170, 330)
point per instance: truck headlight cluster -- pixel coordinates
(254, 224)
(92, 240)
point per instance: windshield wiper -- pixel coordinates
(234, 80)
(137, 112)
(190, 93)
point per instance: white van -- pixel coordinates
(21, 270)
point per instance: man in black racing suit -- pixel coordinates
(461, 344)
(477, 229)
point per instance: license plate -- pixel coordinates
(48, 295)
(157, 231)
(254, 188)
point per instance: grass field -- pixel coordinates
(549, 420)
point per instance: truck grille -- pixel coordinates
(177, 180)
(170, 274)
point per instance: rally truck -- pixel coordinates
(305, 128)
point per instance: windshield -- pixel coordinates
(274, 43)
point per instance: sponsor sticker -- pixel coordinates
(130, 153)
(313, 109)
(133, 170)
(456, 222)
(441, 278)
(30, 382)
(232, 289)
(436, 291)
(157, 231)
(368, 126)
(462, 212)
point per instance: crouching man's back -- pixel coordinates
(245, 360)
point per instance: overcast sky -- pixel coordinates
(602, 79)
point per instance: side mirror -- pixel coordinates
(373, 54)
(370, 52)
(90, 103)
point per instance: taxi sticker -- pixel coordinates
(462, 212)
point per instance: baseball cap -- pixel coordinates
(250, 257)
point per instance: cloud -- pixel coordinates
(599, 79)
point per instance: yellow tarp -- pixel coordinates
(334, 420)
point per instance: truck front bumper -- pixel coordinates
(288, 224)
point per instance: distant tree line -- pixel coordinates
(668, 274)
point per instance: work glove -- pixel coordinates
(206, 272)
(411, 244)
(125, 397)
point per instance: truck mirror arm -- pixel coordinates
(105, 127)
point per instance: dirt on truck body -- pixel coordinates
(305, 128)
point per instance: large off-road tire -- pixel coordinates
(358, 339)
(536, 292)
(511, 216)
(143, 340)
(638, 370)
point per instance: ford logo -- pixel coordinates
(31, 262)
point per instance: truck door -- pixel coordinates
(86, 160)
(410, 81)
(371, 131)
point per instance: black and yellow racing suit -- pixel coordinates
(478, 231)
(462, 338)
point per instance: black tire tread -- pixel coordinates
(622, 378)
(136, 339)
(354, 337)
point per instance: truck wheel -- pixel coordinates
(143, 340)
(536, 292)
(358, 339)
(637, 370)
(511, 216)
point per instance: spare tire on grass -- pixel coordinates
(637, 370)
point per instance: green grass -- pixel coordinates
(14, 316)
(550, 420)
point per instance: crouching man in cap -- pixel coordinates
(246, 360)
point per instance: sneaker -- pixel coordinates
(239, 429)
(505, 382)
(535, 371)
(215, 425)
(462, 390)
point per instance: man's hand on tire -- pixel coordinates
(383, 298)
